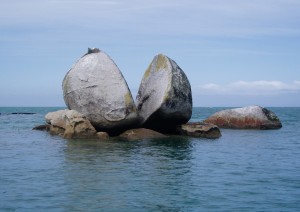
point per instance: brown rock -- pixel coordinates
(199, 129)
(141, 133)
(102, 135)
(252, 117)
(55, 130)
(70, 124)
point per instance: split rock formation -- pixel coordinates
(164, 98)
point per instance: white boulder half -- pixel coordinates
(164, 98)
(96, 88)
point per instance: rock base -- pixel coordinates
(69, 124)
(141, 133)
(199, 129)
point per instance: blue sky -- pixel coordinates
(234, 52)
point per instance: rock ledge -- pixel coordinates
(199, 129)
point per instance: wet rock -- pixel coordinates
(199, 129)
(22, 113)
(43, 127)
(141, 133)
(164, 98)
(96, 88)
(102, 135)
(70, 124)
(251, 117)
(55, 130)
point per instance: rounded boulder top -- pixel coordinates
(164, 98)
(95, 87)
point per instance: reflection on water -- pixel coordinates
(148, 168)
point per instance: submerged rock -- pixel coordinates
(141, 133)
(69, 124)
(251, 117)
(102, 135)
(96, 88)
(164, 98)
(43, 127)
(22, 113)
(199, 129)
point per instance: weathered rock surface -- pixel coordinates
(96, 88)
(251, 117)
(69, 124)
(164, 98)
(141, 133)
(199, 129)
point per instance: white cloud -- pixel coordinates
(260, 87)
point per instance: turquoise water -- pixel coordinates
(244, 170)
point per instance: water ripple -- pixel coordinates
(244, 170)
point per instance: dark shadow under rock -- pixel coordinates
(43, 127)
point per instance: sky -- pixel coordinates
(235, 53)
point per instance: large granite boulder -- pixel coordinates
(164, 98)
(199, 129)
(96, 88)
(69, 124)
(141, 133)
(251, 117)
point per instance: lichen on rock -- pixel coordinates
(164, 98)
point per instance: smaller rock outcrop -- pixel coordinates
(141, 133)
(102, 135)
(199, 129)
(251, 117)
(69, 124)
(164, 98)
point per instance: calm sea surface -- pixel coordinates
(244, 170)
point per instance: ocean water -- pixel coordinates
(244, 170)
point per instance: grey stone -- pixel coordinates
(251, 117)
(69, 124)
(96, 88)
(164, 98)
(199, 129)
